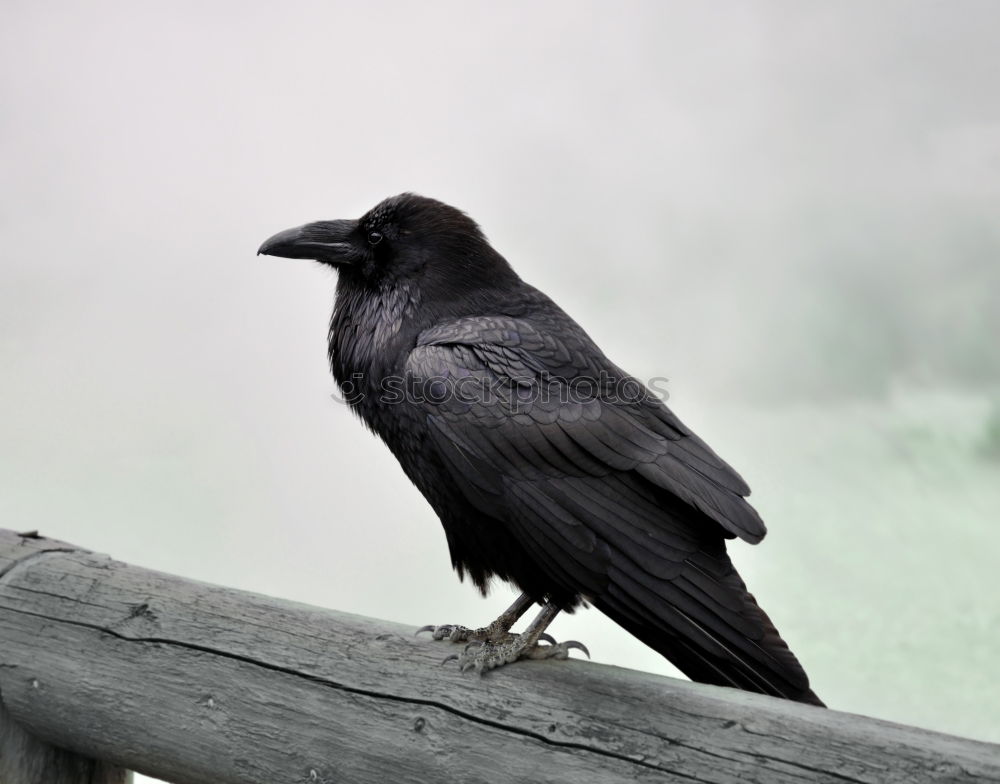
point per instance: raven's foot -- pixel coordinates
(483, 656)
(498, 631)
(494, 645)
(455, 633)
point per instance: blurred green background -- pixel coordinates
(789, 209)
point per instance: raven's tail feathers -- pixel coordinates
(743, 650)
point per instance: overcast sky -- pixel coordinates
(762, 201)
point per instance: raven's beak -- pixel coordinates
(331, 242)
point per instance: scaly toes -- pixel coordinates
(557, 650)
(450, 631)
(480, 655)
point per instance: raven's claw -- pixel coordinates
(495, 645)
(558, 650)
(455, 633)
(486, 655)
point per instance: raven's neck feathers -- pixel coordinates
(375, 323)
(368, 326)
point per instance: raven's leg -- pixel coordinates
(495, 632)
(485, 655)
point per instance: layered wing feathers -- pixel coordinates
(564, 408)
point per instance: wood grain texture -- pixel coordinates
(24, 759)
(195, 683)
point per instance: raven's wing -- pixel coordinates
(572, 402)
(604, 487)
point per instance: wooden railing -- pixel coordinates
(107, 667)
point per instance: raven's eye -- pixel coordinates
(374, 237)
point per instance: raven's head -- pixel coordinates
(403, 238)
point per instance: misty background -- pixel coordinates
(789, 209)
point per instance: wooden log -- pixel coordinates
(24, 759)
(194, 683)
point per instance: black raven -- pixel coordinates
(549, 466)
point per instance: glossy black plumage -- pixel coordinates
(549, 466)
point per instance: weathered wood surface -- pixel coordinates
(198, 684)
(24, 759)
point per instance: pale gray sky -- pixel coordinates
(788, 208)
